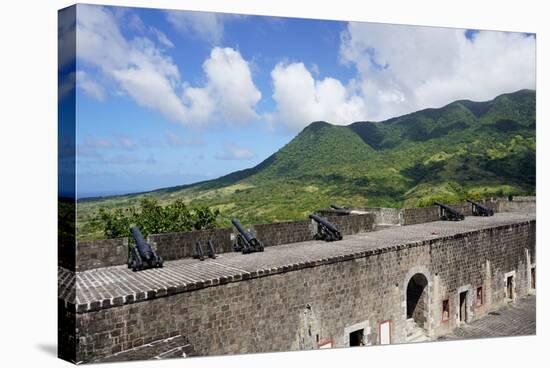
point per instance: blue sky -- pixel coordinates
(167, 98)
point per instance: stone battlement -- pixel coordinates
(174, 246)
(114, 286)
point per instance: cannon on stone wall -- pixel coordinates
(142, 255)
(480, 210)
(336, 207)
(448, 213)
(325, 230)
(199, 252)
(340, 210)
(245, 242)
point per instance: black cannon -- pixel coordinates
(246, 242)
(339, 210)
(449, 214)
(142, 255)
(325, 230)
(200, 254)
(480, 210)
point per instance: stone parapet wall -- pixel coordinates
(353, 224)
(385, 216)
(284, 232)
(411, 216)
(101, 253)
(517, 206)
(172, 246)
(418, 215)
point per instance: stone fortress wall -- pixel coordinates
(453, 275)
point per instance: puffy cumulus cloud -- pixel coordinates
(230, 82)
(302, 99)
(206, 26)
(405, 68)
(144, 72)
(233, 152)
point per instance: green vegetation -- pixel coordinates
(153, 218)
(465, 149)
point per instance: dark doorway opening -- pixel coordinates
(356, 338)
(417, 299)
(445, 312)
(463, 306)
(533, 278)
(510, 288)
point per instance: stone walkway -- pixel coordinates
(515, 319)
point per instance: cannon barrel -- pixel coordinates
(341, 212)
(323, 221)
(449, 213)
(336, 207)
(245, 234)
(325, 231)
(479, 209)
(246, 242)
(142, 255)
(144, 249)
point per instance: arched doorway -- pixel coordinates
(417, 299)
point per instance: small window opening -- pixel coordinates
(479, 296)
(356, 338)
(533, 278)
(510, 287)
(463, 310)
(445, 310)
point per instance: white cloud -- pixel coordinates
(230, 83)
(207, 26)
(233, 152)
(162, 38)
(134, 22)
(302, 99)
(89, 86)
(150, 77)
(404, 68)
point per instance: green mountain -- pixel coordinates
(464, 149)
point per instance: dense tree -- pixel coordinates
(152, 218)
